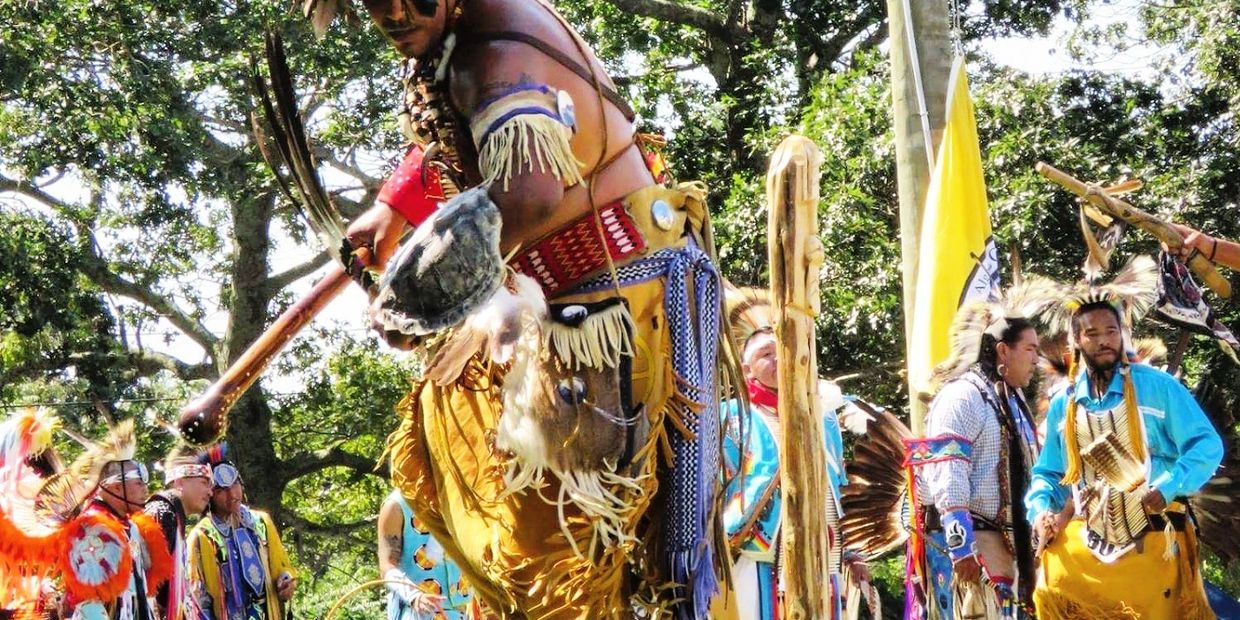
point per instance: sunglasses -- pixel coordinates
(224, 475)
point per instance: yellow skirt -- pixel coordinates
(511, 547)
(1073, 584)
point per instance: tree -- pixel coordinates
(762, 58)
(125, 128)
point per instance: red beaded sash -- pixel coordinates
(569, 255)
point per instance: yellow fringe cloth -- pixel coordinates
(530, 555)
(527, 141)
(1074, 585)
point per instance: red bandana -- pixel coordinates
(761, 395)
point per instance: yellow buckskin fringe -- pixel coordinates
(599, 342)
(512, 547)
(1074, 585)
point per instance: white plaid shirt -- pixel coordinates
(959, 409)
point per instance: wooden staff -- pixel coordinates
(204, 419)
(1136, 217)
(796, 256)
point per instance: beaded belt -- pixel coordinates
(561, 259)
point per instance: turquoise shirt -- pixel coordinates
(1184, 448)
(423, 561)
(761, 471)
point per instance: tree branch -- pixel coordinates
(229, 125)
(278, 281)
(322, 529)
(147, 363)
(327, 156)
(33, 192)
(97, 268)
(871, 40)
(332, 456)
(350, 209)
(625, 80)
(676, 13)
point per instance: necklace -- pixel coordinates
(431, 121)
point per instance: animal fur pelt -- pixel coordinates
(571, 422)
(512, 317)
(567, 420)
(875, 495)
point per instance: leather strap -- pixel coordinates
(554, 54)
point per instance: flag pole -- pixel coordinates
(921, 57)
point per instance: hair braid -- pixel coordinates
(1135, 434)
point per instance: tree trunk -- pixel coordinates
(249, 433)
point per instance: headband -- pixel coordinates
(189, 470)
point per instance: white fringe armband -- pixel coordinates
(523, 131)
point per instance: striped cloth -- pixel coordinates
(694, 322)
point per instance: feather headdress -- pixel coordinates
(874, 498)
(63, 494)
(1132, 293)
(1031, 299)
(215, 455)
(27, 545)
(749, 311)
(24, 436)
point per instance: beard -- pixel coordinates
(1096, 364)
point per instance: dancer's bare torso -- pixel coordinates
(537, 203)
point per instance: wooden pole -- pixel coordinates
(1135, 217)
(931, 44)
(796, 255)
(1177, 355)
(204, 420)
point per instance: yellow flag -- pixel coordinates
(958, 260)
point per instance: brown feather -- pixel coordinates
(1215, 505)
(874, 497)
